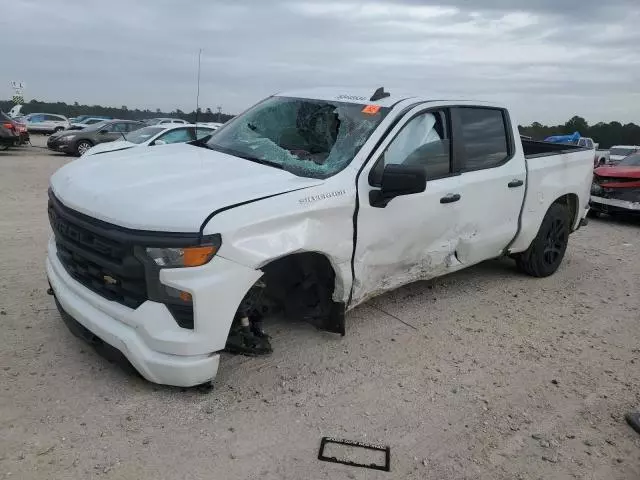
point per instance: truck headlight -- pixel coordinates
(173, 257)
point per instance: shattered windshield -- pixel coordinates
(309, 138)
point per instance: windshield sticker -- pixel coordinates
(322, 196)
(371, 109)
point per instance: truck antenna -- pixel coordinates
(379, 94)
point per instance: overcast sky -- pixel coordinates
(547, 62)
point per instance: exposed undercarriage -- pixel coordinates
(298, 287)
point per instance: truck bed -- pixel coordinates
(534, 149)
(553, 170)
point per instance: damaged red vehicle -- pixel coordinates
(616, 189)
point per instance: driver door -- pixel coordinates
(413, 236)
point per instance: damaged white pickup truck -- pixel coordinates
(307, 204)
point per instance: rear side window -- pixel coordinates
(482, 137)
(53, 118)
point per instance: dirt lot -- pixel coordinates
(506, 377)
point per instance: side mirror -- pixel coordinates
(102, 132)
(398, 180)
(159, 142)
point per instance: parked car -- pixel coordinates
(579, 140)
(85, 122)
(18, 125)
(152, 136)
(81, 118)
(617, 153)
(46, 122)
(9, 134)
(602, 158)
(214, 125)
(308, 203)
(164, 121)
(77, 142)
(616, 189)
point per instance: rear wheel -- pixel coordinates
(83, 146)
(545, 254)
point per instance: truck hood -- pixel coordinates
(169, 189)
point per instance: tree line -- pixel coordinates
(75, 109)
(606, 134)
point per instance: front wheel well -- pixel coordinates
(301, 286)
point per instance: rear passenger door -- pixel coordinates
(493, 180)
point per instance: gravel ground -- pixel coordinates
(505, 376)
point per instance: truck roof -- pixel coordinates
(363, 95)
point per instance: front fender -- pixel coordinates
(310, 220)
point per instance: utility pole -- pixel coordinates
(219, 113)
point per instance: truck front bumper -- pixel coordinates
(148, 336)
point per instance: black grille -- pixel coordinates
(105, 265)
(182, 314)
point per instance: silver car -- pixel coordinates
(46, 122)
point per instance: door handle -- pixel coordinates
(515, 183)
(450, 198)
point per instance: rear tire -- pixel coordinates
(545, 254)
(82, 146)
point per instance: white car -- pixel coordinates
(618, 152)
(165, 121)
(153, 135)
(84, 123)
(307, 204)
(46, 122)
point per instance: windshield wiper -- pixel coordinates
(235, 153)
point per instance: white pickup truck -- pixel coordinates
(307, 204)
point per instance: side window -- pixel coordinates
(202, 132)
(179, 135)
(423, 141)
(52, 118)
(132, 127)
(482, 137)
(115, 127)
(589, 144)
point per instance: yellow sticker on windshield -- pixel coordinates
(371, 109)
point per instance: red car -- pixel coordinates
(15, 126)
(616, 189)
